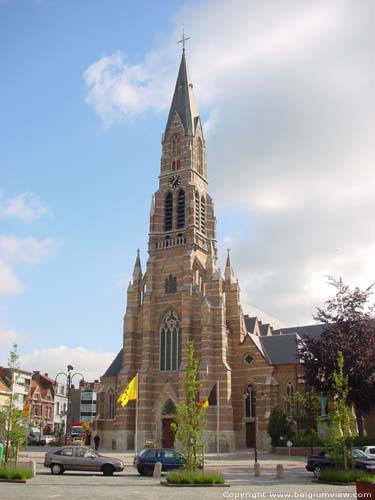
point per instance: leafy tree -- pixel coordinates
(279, 426)
(190, 415)
(12, 422)
(305, 409)
(349, 327)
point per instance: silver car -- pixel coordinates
(81, 458)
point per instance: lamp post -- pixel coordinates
(69, 379)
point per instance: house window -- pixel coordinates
(168, 212)
(170, 342)
(181, 210)
(250, 402)
(170, 284)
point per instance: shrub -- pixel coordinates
(279, 426)
(194, 477)
(366, 478)
(15, 473)
(341, 476)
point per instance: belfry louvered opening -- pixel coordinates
(168, 212)
(181, 210)
(203, 215)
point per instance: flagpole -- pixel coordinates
(218, 417)
(136, 420)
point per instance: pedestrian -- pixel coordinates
(97, 441)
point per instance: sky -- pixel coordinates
(285, 91)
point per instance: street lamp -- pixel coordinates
(69, 379)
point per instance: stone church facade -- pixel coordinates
(182, 296)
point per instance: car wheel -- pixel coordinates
(147, 471)
(57, 469)
(140, 470)
(316, 471)
(107, 470)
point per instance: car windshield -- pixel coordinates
(358, 454)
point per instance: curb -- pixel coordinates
(186, 485)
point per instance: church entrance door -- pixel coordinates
(250, 435)
(168, 433)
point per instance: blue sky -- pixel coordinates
(285, 96)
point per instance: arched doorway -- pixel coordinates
(168, 417)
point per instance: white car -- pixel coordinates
(369, 450)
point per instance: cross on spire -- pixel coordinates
(183, 39)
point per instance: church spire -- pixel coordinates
(183, 102)
(137, 273)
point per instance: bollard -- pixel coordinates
(157, 470)
(32, 466)
(257, 469)
(279, 471)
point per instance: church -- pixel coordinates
(182, 296)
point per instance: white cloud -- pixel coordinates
(9, 283)
(25, 206)
(9, 336)
(54, 360)
(27, 250)
(288, 89)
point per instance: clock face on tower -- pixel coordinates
(174, 181)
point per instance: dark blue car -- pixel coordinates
(170, 459)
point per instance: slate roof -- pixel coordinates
(302, 331)
(281, 349)
(183, 101)
(250, 323)
(115, 367)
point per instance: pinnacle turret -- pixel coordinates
(228, 274)
(137, 273)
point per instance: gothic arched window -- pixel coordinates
(170, 284)
(250, 402)
(175, 150)
(111, 405)
(181, 210)
(168, 212)
(200, 157)
(203, 215)
(170, 342)
(290, 398)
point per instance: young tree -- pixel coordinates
(190, 415)
(12, 422)
(349, 327)
(343, 425)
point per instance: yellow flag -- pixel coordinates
(130, 392)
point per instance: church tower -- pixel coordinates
(181, 297)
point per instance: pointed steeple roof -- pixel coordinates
(183, 101)
(137, 273)
(229, 276)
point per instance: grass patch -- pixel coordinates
(341, 476)
(15, 473)
(194, 477)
